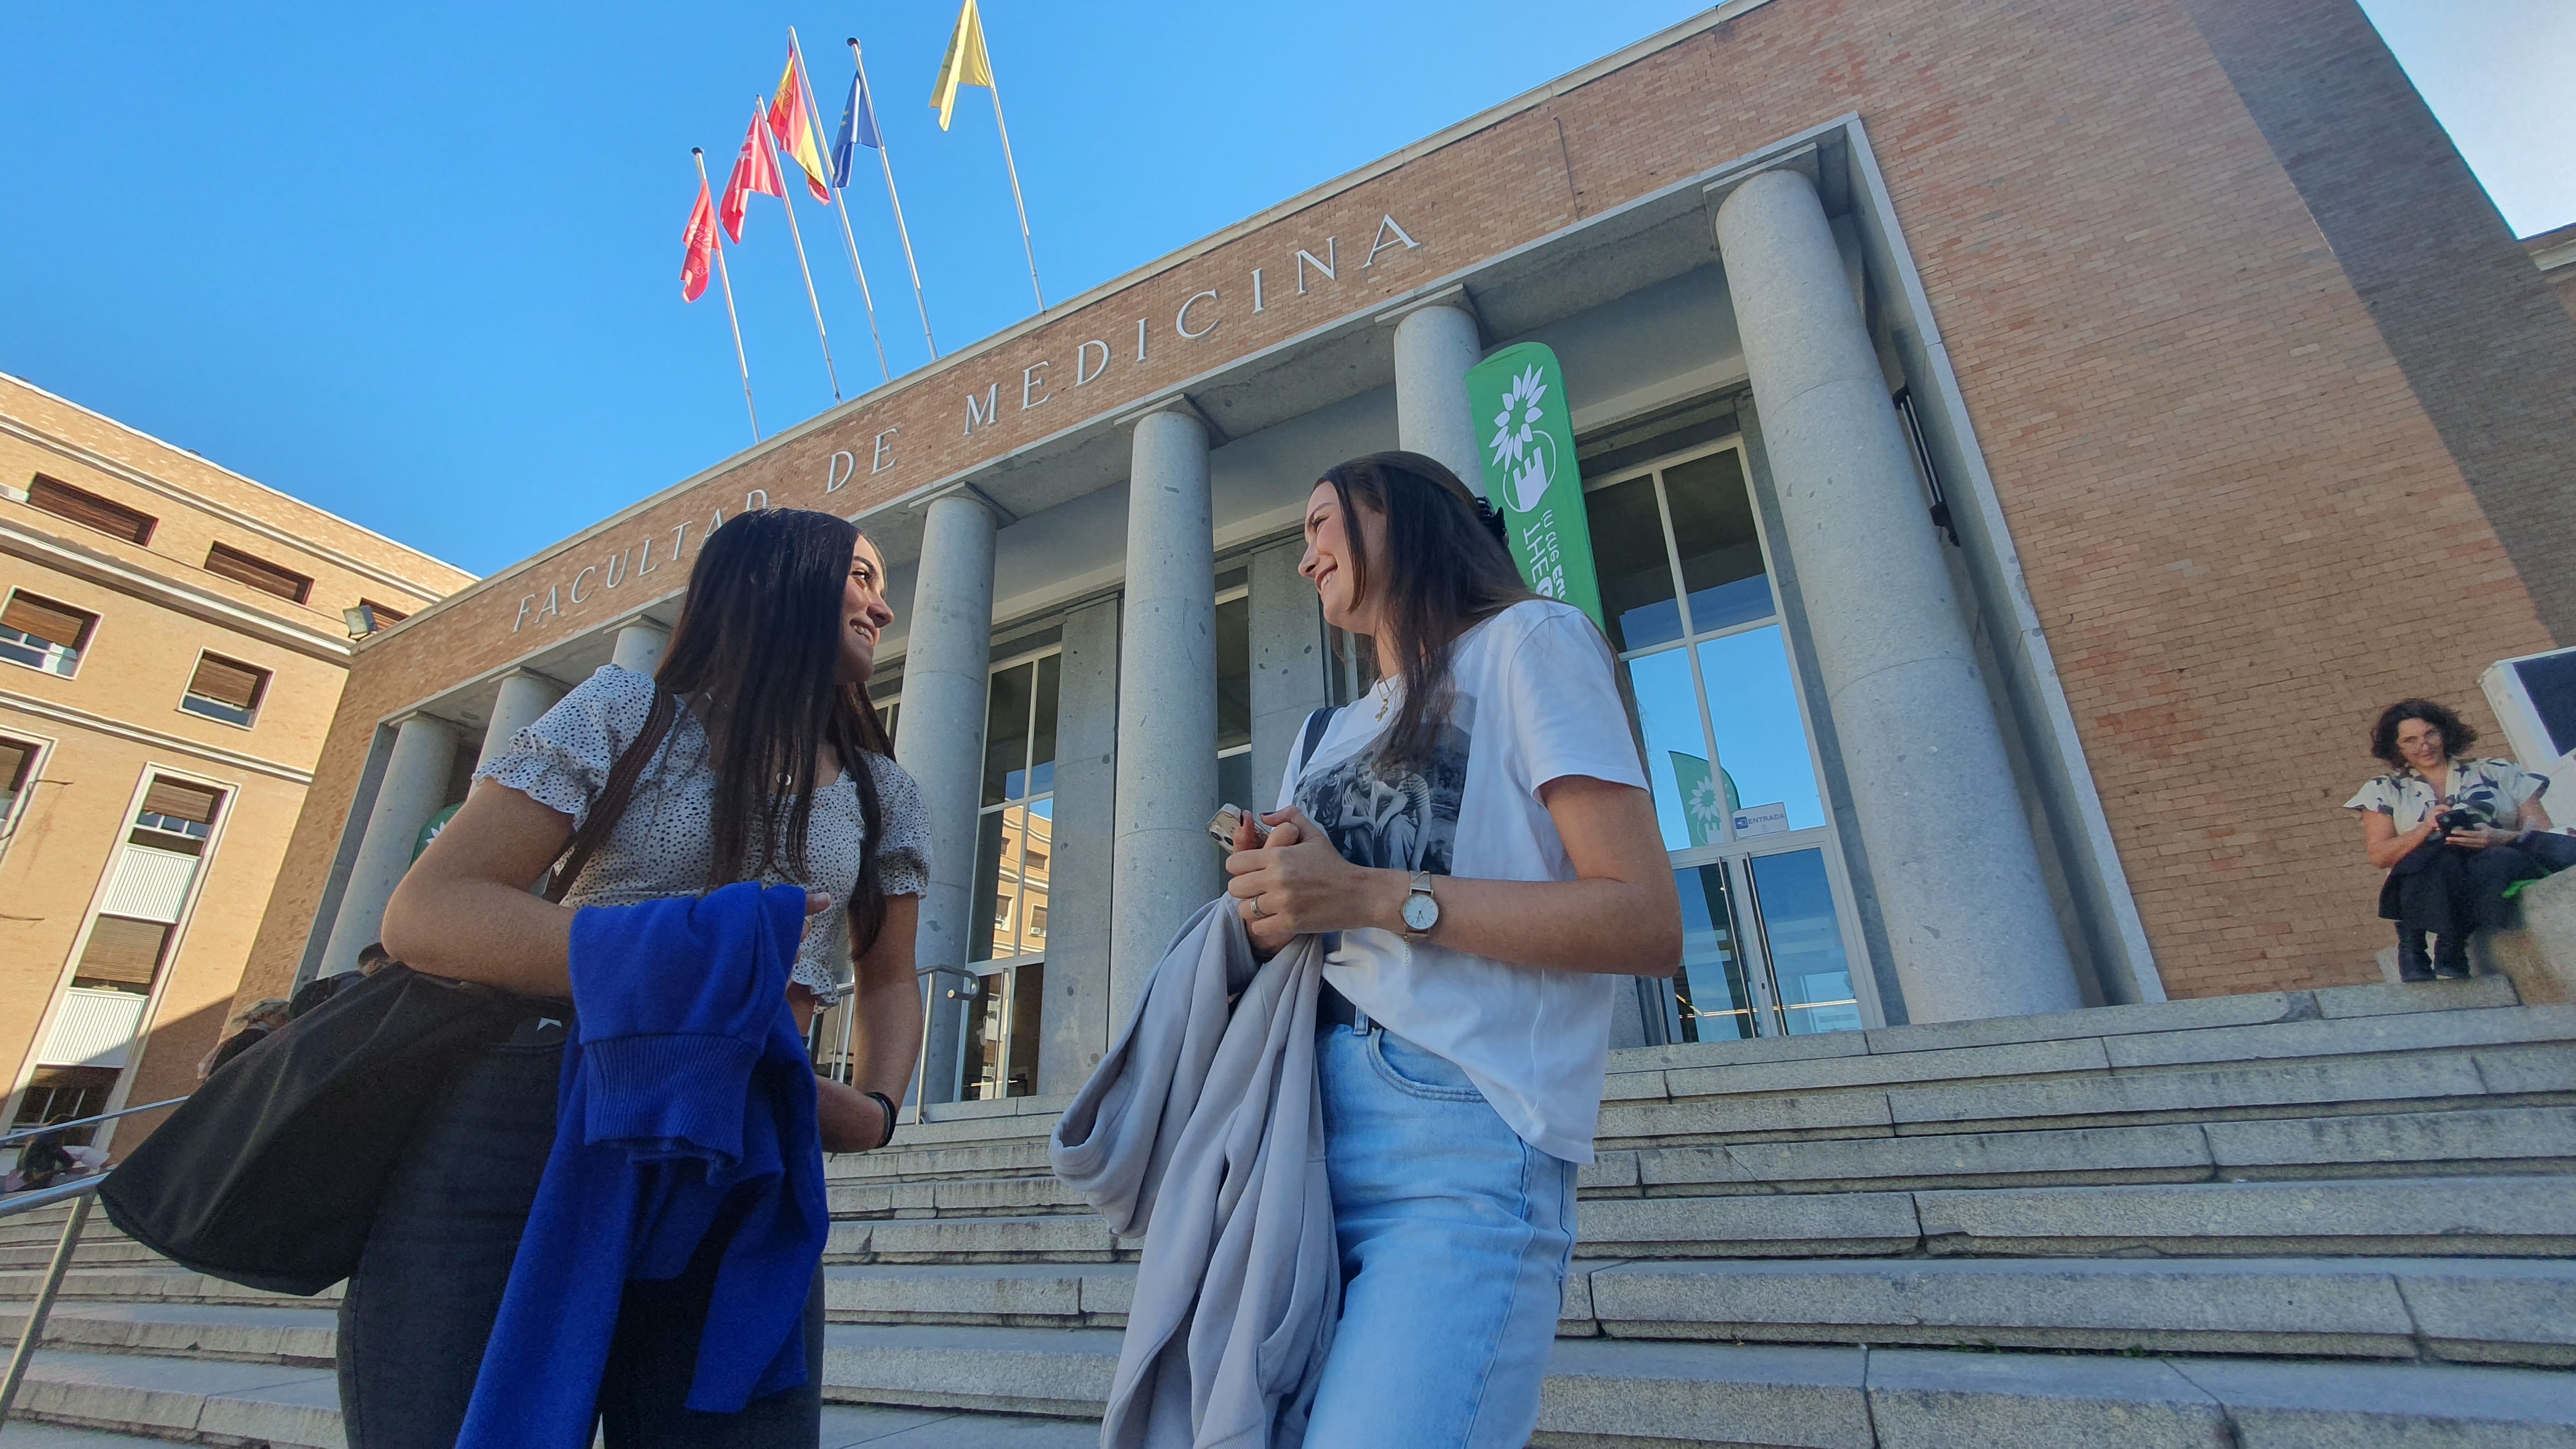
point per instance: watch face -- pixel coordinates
(1421, 912)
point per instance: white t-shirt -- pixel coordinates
(1533, 701)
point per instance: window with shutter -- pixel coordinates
(17, 762)
(43, 634)
(179, 808)
(121, 953)
(385, 613)
(259, 573)
(225, 689)
(89, 510)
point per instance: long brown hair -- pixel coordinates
(759, 640)
(1446, 572)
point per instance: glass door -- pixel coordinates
(1769, 942)
(1014, 863)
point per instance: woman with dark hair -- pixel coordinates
(1492, 865)
(774, 769)
(2446, 829)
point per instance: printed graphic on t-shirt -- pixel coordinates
(1406, 819)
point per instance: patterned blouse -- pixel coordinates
(659, 848)
(2493, 790)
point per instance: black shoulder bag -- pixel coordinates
(270, 1174)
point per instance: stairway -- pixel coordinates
(2338, 1217)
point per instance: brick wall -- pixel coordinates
(2243, 530)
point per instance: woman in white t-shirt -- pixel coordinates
(1478, 831)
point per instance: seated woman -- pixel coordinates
(2445, 827)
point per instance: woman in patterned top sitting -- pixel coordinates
(2446, 829)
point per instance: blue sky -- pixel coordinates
(420, 266)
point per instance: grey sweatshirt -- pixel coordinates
(1203, 1130)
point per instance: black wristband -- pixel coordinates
(888, 1108)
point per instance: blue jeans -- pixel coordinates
(1454, 1236)
(416, 1313)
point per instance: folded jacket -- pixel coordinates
(1203, 1129)
(686, 1105)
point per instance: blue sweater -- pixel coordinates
(686, 1096)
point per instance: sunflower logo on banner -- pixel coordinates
(1517, 398)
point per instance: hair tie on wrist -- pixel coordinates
(888, 1107)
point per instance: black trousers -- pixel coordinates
(417, 1311)
(2453, 891)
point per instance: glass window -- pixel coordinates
(1234, 782)
(1713, 991)
(1635, 573)
(1666, 701)
(1804, 938)
(1001, 1057)
(1720, 550)
(1761, 733)
(1014, 860)
(1706, 671)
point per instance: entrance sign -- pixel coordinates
(1516, 398)
(1771, 819)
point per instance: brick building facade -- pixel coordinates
(2249, 414)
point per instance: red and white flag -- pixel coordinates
(701, 241)
(753, 170)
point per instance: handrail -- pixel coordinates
(87, 1121)
(36, 1197)
(82, 1194)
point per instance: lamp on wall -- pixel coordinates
(361, 619)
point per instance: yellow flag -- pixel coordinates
(965, 65)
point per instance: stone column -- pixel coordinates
(1081, 881)
(414, 786)
(1164, 864)
(639, 646)
(947, 657)
(1289, 672)
(1434, 347)
(525, 697)
(1968, 914)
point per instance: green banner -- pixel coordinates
(1701, 811)
(1517, 400)
(429, 831)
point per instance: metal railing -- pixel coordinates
(80, 1193)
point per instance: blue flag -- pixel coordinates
(858, 124)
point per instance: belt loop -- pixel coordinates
(1360, 1023)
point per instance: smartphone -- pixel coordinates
(1228, 819)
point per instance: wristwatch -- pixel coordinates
(1421, 908)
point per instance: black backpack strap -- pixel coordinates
(1316, 724)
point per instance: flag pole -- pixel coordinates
(726, 278)
(814, 114)
(995, 88)
(885, 159)
(787, 199)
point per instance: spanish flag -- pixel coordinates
(793, 125)
(966, 65)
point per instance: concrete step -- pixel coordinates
(1052, 1238)
(2518, 1311)
(2482, 1141)
(1604, 1392)
(2526, 1217)
(1841, 1062)
(2469, 1310)
(107, 1401)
